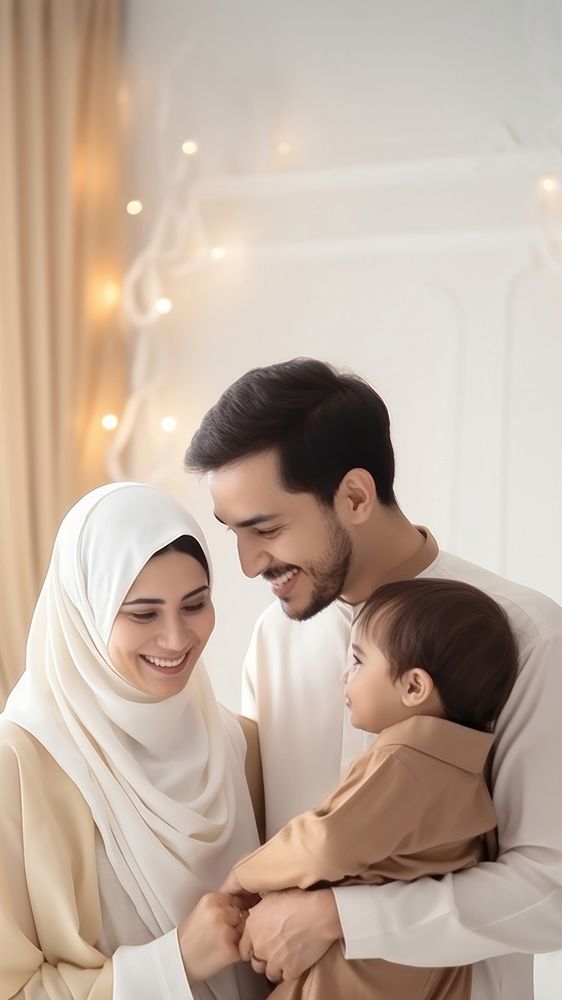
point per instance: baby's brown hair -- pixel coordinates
(455, 632)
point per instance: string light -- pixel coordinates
(168, 424)
(284, 148)
(189, 147)
(109, 422)
(549, 184)
(134, 207)
(217, 253)
(109, 294)
(163, 305)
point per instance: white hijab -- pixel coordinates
(164, 779)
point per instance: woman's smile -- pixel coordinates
(165, 665)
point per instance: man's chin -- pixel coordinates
(302, 614)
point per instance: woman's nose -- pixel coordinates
(173, 635)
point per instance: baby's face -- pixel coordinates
(373, 698)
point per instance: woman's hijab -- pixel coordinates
(164, 779)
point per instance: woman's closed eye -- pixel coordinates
(148, 616)
(142, 616)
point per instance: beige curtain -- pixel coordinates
(61, 357)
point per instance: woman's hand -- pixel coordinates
(209, 937)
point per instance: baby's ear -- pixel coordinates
(417, 686)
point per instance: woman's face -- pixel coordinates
(163, 625)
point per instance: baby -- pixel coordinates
(434, 663)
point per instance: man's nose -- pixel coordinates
(253, 559)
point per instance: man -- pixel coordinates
(301, 468)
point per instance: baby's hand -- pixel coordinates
(231, 884)
(242, 898)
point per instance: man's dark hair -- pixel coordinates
(321, 422)
(458, 634)
(190, 547)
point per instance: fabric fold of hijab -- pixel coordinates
(164, 779)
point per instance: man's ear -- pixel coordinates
(356, 496)
(417, 687)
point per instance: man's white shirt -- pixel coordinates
(497, 914)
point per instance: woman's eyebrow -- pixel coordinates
(158, 600)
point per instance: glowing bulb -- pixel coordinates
(189, 147)
(109, 422)
(284, 148)
(168, 424)
(217, 253)
(163, 305)
(549, 184)
(134, 207)
(109, 293)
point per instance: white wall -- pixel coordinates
(404, 236)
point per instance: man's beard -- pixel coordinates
(328, 574)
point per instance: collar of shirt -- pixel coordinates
(407, 570)
(448, 741)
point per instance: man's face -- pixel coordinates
(290, 539)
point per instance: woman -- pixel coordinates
(123, 797)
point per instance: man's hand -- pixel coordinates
(289, 931)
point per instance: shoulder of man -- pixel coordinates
(532, 615)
